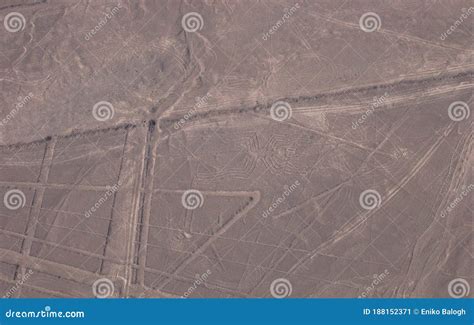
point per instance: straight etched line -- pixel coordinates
(148, 174)
(36, 206)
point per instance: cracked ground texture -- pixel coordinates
(236, 148)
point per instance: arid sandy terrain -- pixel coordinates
(236, 148)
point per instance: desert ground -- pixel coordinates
(197, 149)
